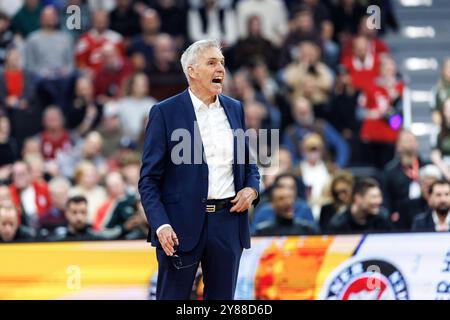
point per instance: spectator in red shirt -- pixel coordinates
(110, 79)
(54, 137)
(376, 46)
(362, 65)
(32, 197)
(381, 125)
(88, 51)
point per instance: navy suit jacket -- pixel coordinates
(176, 194)
(423, 222)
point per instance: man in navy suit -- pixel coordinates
(198, 181)
(437, 218)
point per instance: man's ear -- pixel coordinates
(191, 71)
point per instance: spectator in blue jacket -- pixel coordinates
(305, 123)
(266, 212)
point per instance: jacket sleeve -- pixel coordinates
(252, 176)
(152, 170)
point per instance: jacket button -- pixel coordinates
(204, 200)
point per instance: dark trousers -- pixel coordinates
(219, 252)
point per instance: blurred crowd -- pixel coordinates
(76, 90)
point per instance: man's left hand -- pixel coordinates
(243, 200)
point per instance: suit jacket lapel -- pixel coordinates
(194, 131)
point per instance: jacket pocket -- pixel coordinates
(170, 197)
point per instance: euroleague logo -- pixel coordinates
(366, 280)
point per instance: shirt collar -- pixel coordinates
(197, 103)
(438, 226)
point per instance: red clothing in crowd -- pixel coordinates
(377, 47)
(42, 198)
(363, 74)
(379, 130)
(50, 147)
(14, 83)
(110, 82)
(88, 48)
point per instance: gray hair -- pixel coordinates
(430, 171)
(58, 183)
(190, 55)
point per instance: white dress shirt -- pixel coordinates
(217, 139)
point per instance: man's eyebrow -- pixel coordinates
(213, 58)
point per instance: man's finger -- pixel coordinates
(170, 240)
(238, 205)
(175, 238)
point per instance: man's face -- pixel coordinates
(302, 113)
(76, 215)
(370, 202)
(289, 183)
(283, 202)
(21, 176)
(208, 72)
(440, 198)
(8, 224)
(49, 18)
(407, 145)
(59, 196)
(53, 120)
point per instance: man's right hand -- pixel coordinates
(168, 239)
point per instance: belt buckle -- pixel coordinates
(210, 208)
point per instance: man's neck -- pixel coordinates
(205, 98)
(442, 216)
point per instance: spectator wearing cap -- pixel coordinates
(78, 227)
(437, 218)
(285, 223)
(305, 122)
(365, 213)
(10, 228)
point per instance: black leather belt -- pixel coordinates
(213, 205)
